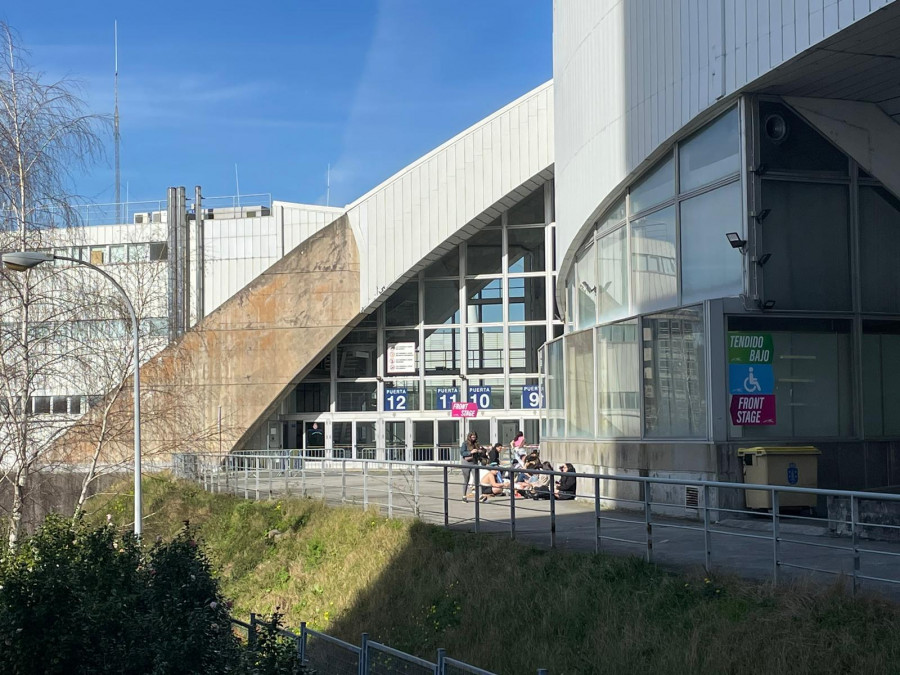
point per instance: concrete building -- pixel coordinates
(728, 225)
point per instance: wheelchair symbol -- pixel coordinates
(751, 384)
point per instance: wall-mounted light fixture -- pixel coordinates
(587, 288)
(763, 259)
(764, 305)
(761, 216)
(736, 241)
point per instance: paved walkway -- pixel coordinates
(741, 545)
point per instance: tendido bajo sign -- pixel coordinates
(464, 410)
(751, 378)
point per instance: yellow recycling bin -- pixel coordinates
(794, 467)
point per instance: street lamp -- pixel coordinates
(25, 260)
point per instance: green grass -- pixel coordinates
(510, 607)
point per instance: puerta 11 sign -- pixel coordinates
(751, 380)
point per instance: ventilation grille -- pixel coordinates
(691, 497)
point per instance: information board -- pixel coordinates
(751, 379)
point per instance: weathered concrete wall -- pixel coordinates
(243, 357)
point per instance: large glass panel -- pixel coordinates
(612, 217)
(524, 342)
(356, 354)
(441, 394)
(811, 378)
(712, 153)
(807, 233)
(655, 188)
(399, 357)
(653, 263)
(441, 302)
(354, 396)
(448, 266)
(879, 236)
(526, 249)
(342, 439)
(395, 440)
(484, 253)
(675, 375)
(485, 300)
(485, 349)
(524, 393)
(448, 440)
(442, 351)
(366, 440)
(618, 380)
(710, 267)
(580, 384)
(402, 307)
(612, 275)
(556, 391)
(787, 143)
(312, 397)
(527, 300)
(487, 394)
(322, 370)
(423, 441)
(529, 211)
(586, 288)
(881, 378)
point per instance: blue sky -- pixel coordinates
(282, 89)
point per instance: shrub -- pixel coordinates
(76, 599)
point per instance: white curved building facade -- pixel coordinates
(726, 200)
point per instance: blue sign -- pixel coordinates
(793, 474)
(480, 396)
(396, 398)
(446, 397)
(746, 379)
(532, 396)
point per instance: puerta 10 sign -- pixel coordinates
(751, 380)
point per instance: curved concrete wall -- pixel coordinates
(629, 74)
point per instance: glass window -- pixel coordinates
(811, 377)
(356, 354)
(98, 255)
(655, 188)
(526, 249)
(527, 300)
(59, 405)
(787, 143)
(485, 300)
(136, 252)
(807, 233)
(710, 267)
(484, 252)
(586, 288)
(356, 396)
(881, 378)
(396, 352)
(402, 308)
(618, 383)
(879, 225)
(442, 351)
(712, 153)
(516, 400)
(75, 405)
(366, 440)
(580, 384)
(524, 342)
(528, 211)
(448, 266)
(675, 375)
(654, 269)
(423, 436)
(159, 251)
(612, 217)
(448, 437)
(440, 394)
(395, 440)
(487, 394)
(612, 275)
(441, 301)
(401, 395)
(342, 437)
(485, 349)
(322, 370)
(117, 254)
(556, 396)
(312, 397)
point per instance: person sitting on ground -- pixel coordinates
(491, 484)
(540, 487)
(532, 460)
(565, 486)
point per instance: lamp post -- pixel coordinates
(25, 260)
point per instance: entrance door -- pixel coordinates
(482, 427)
(449, 440)
(506, 430)
(423, 441)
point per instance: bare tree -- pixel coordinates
(45, 134)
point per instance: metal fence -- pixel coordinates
(673, 521)
(327, 655)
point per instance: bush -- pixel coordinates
(76, 599)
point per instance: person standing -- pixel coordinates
(468, 453)
(517, 446)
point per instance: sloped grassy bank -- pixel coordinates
(506, 606)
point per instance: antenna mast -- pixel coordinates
(328, 186)
(119, 215)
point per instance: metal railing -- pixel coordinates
(619, 513)
(326, 654)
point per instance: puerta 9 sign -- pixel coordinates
(751, 380)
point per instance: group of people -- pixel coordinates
(520, 477)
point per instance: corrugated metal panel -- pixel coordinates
(630, 73)
(403, 220)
